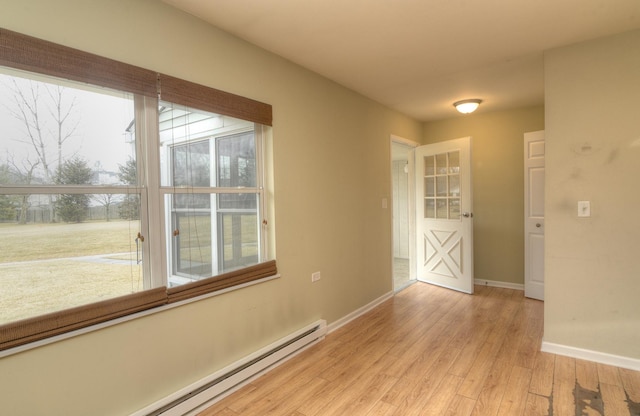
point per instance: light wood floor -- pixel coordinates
(432, 351)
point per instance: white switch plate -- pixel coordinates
(584, 208)
(315, 276)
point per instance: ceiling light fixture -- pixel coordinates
(467, 106)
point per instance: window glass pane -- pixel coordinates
(237, 201)
(441, 208)
(191, 164)
(454, 185)
(191, 201)
(239, 239)
(441, 164)
(186, 139)
(429, 208)
(454, 209)
(444, 185)
(196, 253)
(429, 166)
(47, 124)
(441, 186)
(193, 244)
(454, 162)
(430, 186)
(46, 267)
(237, 160)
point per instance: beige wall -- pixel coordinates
(498, 185)
(331, 170)
(592, 288)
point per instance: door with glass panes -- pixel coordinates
(444, 214)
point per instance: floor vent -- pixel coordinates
(205, 392)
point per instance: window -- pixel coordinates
(213, 192)
(442, 186)
(113, 200)
(70, 200)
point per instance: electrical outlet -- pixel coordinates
(315, 276)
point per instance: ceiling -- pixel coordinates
(419, 56)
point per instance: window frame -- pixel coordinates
(166, 191)
(38, 56)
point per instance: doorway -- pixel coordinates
(402, 212)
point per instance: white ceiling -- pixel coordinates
(419, 56)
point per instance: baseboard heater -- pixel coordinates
(222, 383)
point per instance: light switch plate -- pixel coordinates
(584, 208)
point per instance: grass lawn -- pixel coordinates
(40, 271)
(51, 241)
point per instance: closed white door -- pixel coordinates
(444, 218)
(534, 215)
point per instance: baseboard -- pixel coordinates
(497, 283)
(194, 398)
(358, 312)
(589, 355)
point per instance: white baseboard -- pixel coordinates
(595, 356)
(194, 398)
(497, 283)
(193, 404)
(358, 312)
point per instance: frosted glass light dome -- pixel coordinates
(467, 106)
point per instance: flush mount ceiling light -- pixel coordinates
(467, 106)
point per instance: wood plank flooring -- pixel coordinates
(432, 351)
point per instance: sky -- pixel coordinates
(100, 116)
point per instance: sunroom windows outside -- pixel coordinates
(77, 188)
(211, 178)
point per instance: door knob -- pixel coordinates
(467, 214)
(538, 225)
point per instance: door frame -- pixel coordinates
(411, 195)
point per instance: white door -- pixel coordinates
(444, 219)
(534, 215)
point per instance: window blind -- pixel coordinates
(33, 329)
(193, 95)
(32, 54)
(222, 281)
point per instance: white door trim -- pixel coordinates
(412, 197)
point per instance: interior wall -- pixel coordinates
(592, 266)
(497, 164)
(331, 164)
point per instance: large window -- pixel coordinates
(69, 197)
(120, 190)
